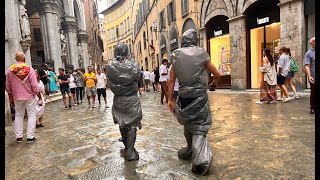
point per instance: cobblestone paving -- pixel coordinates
(248, 141)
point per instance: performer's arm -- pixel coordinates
(212, 69)
(170, 90)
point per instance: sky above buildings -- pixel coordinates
(104, 4)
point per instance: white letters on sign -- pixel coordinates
(217, 33)
(263, 20)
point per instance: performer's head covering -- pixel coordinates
(121, 51)
(189, 38)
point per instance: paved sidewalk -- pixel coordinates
(248, 141)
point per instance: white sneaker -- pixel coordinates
(259, 102)
(280, 99)
(286, 100)
(94, 106)
(75, 104)
(295, 96)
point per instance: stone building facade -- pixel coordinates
(95, 44)
(47, 31)
(233, 32)
(118, 27)
(158, 26)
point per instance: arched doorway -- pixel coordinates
(173, 39)
(263, 25)
(218, 45)
(188, 24)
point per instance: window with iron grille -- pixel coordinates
(184, 7)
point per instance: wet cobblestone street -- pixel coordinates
(248, 141)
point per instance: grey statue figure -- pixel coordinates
(24, 20)
(123, 75)
(192, 107)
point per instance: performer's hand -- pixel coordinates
(311, 80)
(40, 102)
(171, 106)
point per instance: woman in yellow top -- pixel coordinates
(90, 79)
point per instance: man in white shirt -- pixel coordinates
(101, 87)
(152, 76)
(283, 69)
(163, 72)
(146, 75)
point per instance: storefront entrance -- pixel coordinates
(263, 26)
(272, 38)
(218, 43)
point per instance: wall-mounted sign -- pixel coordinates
(262, 20)
(217, 33)
(163, 47)
(173, 39)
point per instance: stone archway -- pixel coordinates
(189, 23)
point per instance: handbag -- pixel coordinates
(294, 66)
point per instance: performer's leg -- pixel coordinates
(124, 133)
(201, 154)
(186, 152)
(132, 154)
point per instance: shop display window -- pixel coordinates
(220, 54)
(256, 47)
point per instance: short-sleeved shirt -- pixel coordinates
(72, 83)
(163, 69)
(309, 58)
(63, 78)
(284, 63)
(91, 77)
(146, 75)
(42, 73)
(100, 80)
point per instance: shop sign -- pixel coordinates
(217, 33)
(263, 20)
(163, 48)
(173, 39)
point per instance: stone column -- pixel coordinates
(83, 40)
(203, 38)
(71, 29)
(237, 28)
(292, 34)
(49, 18)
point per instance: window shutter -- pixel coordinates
(173, 10)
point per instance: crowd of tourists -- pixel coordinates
(29, 89)
(283, 75)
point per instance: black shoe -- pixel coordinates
(312, 111)
(78, 102)
(38, 125)
(70, 106)
(19, 140)
(41, 125)
(185, 153)
(135, 156)
(31, 140)
(201, 169)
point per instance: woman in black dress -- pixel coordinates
(156, 78)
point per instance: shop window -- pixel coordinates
(220, 54)
(146, 63)
(257, 44)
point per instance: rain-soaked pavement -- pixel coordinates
(248, 141)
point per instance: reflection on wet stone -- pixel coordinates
(248, 141)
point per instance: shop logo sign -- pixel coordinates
(173, 41)
(163, 46)
(217, 33)
(263, 20)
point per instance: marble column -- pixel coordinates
(83, 40)
(71, 28)
(293, 35)
(237, 28)
(49, 18)
(203, 37)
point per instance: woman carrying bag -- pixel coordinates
(268, 88)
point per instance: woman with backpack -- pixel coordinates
(293, 68)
